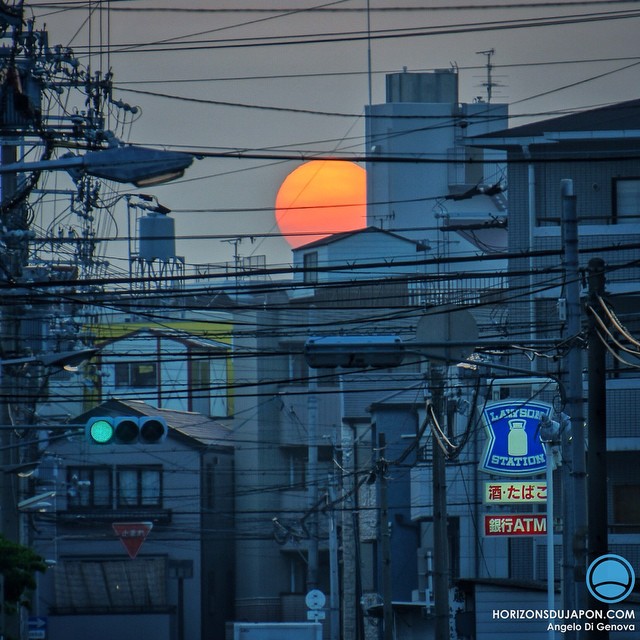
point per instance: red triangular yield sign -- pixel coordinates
(132, 535)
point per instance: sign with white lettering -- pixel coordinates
(37, 627)
(515, 492)
(513, 444)
(515, 525)
(132, 535)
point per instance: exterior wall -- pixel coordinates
(176, 541)
(263, 568)
(172, 385)
(360, 248)
(399, 193)
(409, 197)
(218, 579)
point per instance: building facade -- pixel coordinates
(173, 501)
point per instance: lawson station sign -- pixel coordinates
(513, 442)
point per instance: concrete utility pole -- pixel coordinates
(440, 537)
(597, 539)
(312, 482)
(385, 543)
(12, 264)
(334, 576)
(575, 499)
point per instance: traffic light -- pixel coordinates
(125, 430)
(354, 351)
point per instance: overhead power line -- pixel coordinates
(357, 36)
(116, 7)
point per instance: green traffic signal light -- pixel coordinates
(101, 430)
(126, 430)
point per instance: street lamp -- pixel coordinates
(67, 360)
(131, 164)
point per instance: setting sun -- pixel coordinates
(319, 198)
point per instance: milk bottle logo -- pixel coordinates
(517, 439)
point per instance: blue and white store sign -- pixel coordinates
(513, 440)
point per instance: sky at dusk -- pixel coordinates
(280, 77)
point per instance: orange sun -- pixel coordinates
(319, 198)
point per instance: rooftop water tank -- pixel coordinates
(440, 86)
(156, 237)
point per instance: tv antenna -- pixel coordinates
(489, 83)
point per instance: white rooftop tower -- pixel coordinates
(421, 131)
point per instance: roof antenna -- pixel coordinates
(489, 83)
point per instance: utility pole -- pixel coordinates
(440, 537)
(334, 577)
(14, 256)
(385, 543)
(574, 497)
(597, 539)
(312, 482)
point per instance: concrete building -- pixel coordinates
(428, 183)
(596, 150)
(177, 582)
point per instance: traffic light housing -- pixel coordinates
(125, 430)
(354, 351)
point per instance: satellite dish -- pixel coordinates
(440, 335)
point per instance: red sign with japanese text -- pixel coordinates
(132, 535)
(515, 525)
(515, 492)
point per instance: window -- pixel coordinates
(310, 264)
(626, 506)
(200, 385)
(139, 486)
(93, 487)
(209, 384)
(626, 200)
(297, 468)
(89, 488)
(136, 374)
